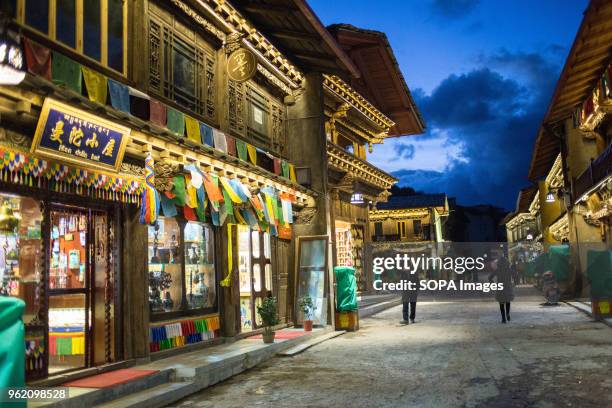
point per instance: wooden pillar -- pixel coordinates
(135, 281)
(229, 297)
(307, 147)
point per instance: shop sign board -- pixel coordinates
(73, 135)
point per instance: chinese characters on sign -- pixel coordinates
(77, 136)
(241, 65)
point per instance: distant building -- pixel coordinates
(412, 218)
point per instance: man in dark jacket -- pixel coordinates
(409, 298)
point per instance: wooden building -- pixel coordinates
(362, 111)
(417, 218)
(575, 136)
(191, 100)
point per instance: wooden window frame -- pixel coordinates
(205, 63)
(52, 34)
(184, 311)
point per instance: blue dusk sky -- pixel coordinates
(482, 73)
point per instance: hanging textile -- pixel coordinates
(277, 166)
(212, 190)
(150, 197)
(292, 176)
(233, 195)
(241, 149)
(252, 153)
(175, 121)
(66, 72)
(119, 96)
(178, 189)
(285, 169)
(167, 206)
(231, 145)
(38, 58)
(207, 135)
(226, 282)
(219, 139)
(193, 129)
(30, 171)
(287, 211)
(157, 112)
(96, 85)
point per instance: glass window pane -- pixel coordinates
(66, 332)
(20, 257)
(65, 22)
(256, 278)
(268, 273)
(8, 7)
(257, 318)
(183, 71)
(244, 261)
(255, 243)
(91, 29)
(199, 270)
(266, 239)
(68, 250)
(115, 35)
(37, 14)
(165, 274)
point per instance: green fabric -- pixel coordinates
(599, 273)
(241, 149)
(346, 289)
(65, 71)
(285, 169)
(558, 261)
(12, 352)
(178, 190)
(227, 201)
(175, 121)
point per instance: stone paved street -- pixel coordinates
(457, 354)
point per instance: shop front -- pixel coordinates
(60, 219)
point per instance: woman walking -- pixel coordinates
(502, 273)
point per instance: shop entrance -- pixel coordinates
(255, 274)
(80, 281)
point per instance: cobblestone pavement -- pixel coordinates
(458, 354)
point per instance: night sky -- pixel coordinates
(482, 74)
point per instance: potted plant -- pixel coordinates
(307, 307)
(267, 311)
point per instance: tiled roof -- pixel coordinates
(413, 201)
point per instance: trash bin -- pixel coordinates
(347, 308)
(12, 352)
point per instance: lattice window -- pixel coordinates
(181, 70)
(279, 132)
(236, 96)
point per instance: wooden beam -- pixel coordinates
(258, 8)
(294, 34)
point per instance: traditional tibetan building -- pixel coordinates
(571, 160)
(162, 165)
(362, 111)
(416, 218)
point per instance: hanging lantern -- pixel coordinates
(8, 220)
(12, 60)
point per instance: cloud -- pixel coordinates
(453, 9)
(492, 114)
(404, 151)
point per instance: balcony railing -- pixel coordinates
(597, 171)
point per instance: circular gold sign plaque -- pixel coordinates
(241, 65)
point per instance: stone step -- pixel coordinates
(158, 396)
(306, 345)
(87, 397)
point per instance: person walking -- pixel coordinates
(409, 298)
(503, 275)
